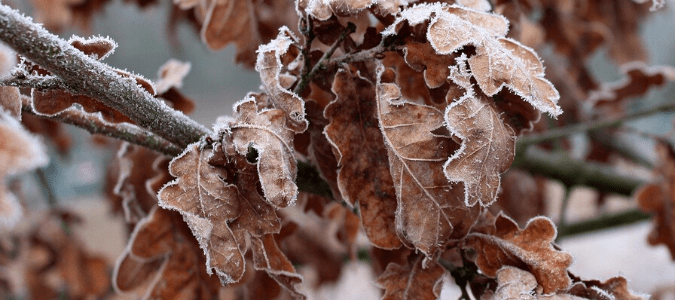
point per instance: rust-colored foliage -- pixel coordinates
(658, 198)
(529, 249)
(382, 127)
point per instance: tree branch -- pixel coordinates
(555, 134)
(87, 76)
(572, 172)
(123, 131)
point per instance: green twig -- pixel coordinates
(604, 222)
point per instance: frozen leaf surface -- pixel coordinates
(10, 101)
(488, 148)
(498, 62)
(529, 249)
(269, 66)
(363, 173)
(162, 261)
(324, 9)
(412, 281)
(430, 209)
(264, 130)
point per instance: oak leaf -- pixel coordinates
(162, 261)
(488, 148)
(324, 9)
(269, 65)
(514, 283)
(430, 209)
(265, 132)
(529, 249)
(412, 281)
(498, 62)
(363, 173)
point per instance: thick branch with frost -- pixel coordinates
(86, 76)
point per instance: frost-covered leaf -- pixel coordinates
(363, 174)
(430, 210)
(412, 281)
(162, 261)
(658, 198)
(216, 193)
(529, 249)
(20, 152)
(140, 174)
(615, 288)
(514, 283)
(268, 257)
(208, 204)
(265, 131)
(269, 66)
(488, 148)
(97, 47)
(498, 62)
(324, 9)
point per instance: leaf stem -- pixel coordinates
(87, 76)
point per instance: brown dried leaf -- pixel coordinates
(10, 101)
(412, 281)
(639, 78)
(658, 198)
(222, 208)
(363, 174)
(430, 209)
(323, 10)
(208, 204)
(170, 80)
(246, 24)
(488, 148)
(514, 283)
(20, 152)
(421, 56)
(529, 249)
(499, 62)
(613, 288)
(97, 47)
(269, 66)
(523, 196)
(265, 132)
(162, 261)
(268, 257)
(141, 174)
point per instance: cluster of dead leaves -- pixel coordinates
(46, 260)
(410, 113)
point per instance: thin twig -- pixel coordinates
(46, 188)
(123, 131)
(321, 64)
(87, 76)
(555, 134)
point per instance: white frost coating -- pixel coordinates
(414, 15)
(286, 100)
(171, 74)
(479, 5)
(656, 4)
(94, 40)
(324, 9)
